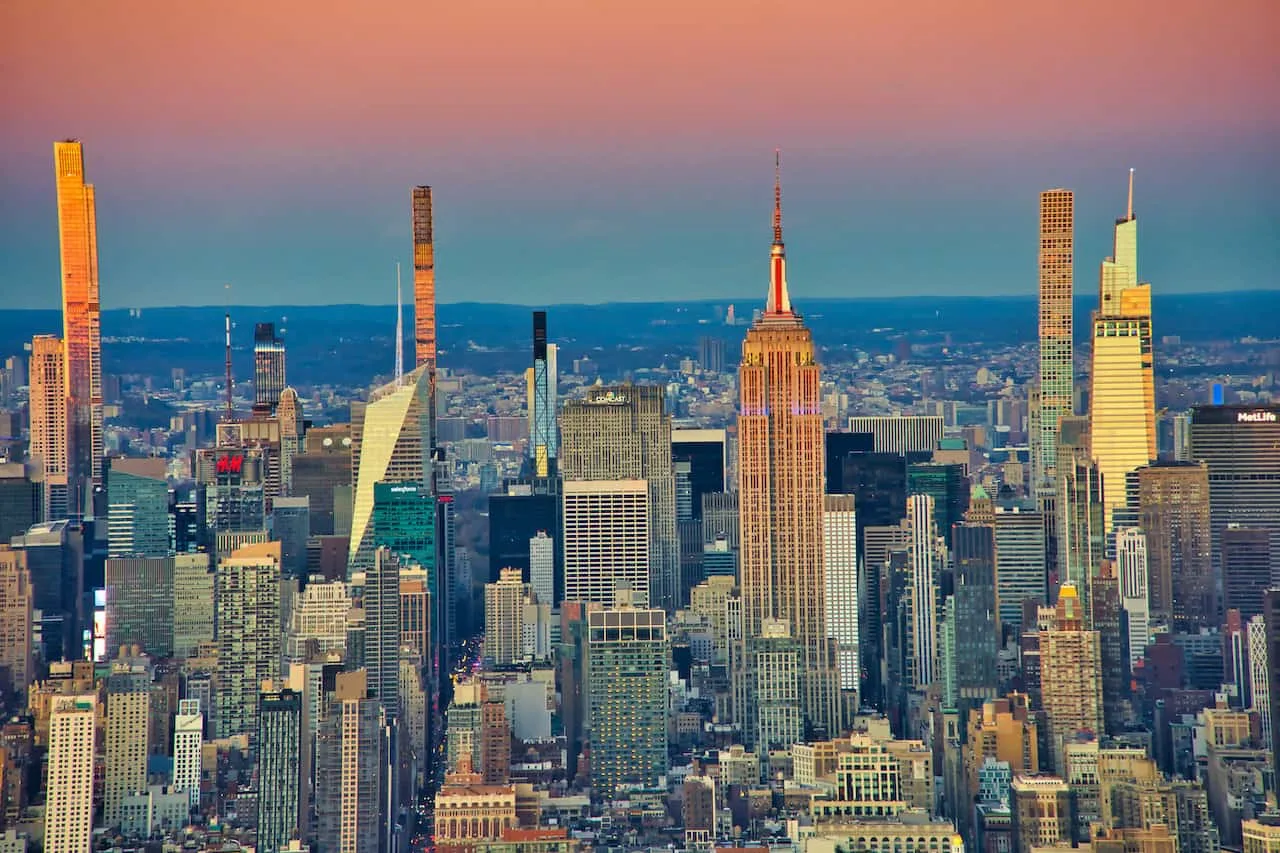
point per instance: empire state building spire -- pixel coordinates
(779, 302)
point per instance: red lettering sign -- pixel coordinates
(230, 464)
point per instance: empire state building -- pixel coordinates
(780, 469)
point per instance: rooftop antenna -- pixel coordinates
(777, 196)
(1129, 215)
(227, 317)
(399, 330)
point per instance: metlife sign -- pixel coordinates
(1261, 416)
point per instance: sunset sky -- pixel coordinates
(595, 150)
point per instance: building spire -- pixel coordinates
(1129, 213)
(779, 301)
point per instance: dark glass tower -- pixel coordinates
(268, 367)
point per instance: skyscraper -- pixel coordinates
(781, 487)
(1175, 510)
(1020, 560)
(81, 321)
(840, 553)
(268, 368)
(280, 766)
(140, 603)
(390, 443)
(624, 433)
(68, 819)
(249, 632)
(503, 609)
(193, 614)
(1122, 407)
(1135, 585)
(424, 281)
(17, 654)
(188, 740)
(542, 567)
(977, 628)
(1247, 571)
(1056, 376)
(606, 540)
(127, 724)
(48, 417)
(900, 434)
(544, 383)
(924, 550)
(1260, 678)
(137, 508)
(1070, 674)
(349, 756)
(382, 630)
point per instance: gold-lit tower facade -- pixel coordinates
(780, 489)
(1122, 407)
(1056, 378)
(81, 320)
(424, 280)
(49, 422)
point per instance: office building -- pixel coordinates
(68, 816)
(249, 632)
(711, 354)
(1271, 629)
(280, 766)
(381, 604)
(1237, 444)
(17, 650)
(1056, 379)
(291, 527)
(503, 609)
(127, 725)
(924, 589)
(769, 697)
(234, 480)
(976, 622)
(1080, 535)
(542, 564)
(1042, 816)
(321, 473)
(1261, 835)
(627, 662)
(517, 514)
(900, 434)
(1135, 591)
(1122, 407)
(607, 539)
(54, 554)
(350, 753)
(48, 417)
(137, 508)
(1175, 512)
(188, 743)
(192, 608)
(624, 433)
(840, 558)
(318, 619)
(81, 322)
(140, 598)
(840, 444)
(1021, 573)
(1260, 657)
(1248, 569)
(424, 281)
(781, 487)
(543, 382)
(1070, 674)
(705, 451)
(268, 368)
(948, 485)
(390, 443)
(20, 501)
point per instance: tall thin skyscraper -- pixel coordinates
(268, 367)
(188, 740)
(81, 320)
(542, 379)
(424, 280)
(350, 753)
(1057, 378)
(840, 553)
(606, 540)
(1135, 585)
(781, 487)
(1122, 408)
(280, 766)
(48, 402)
(68, 817)
(249, 632)
(1070, 674)
(128, 720)
(17, 650)
(382, 630)
(924, 587)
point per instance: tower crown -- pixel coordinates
(779, 300)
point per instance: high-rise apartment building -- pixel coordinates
(1135, 588)
(424, 280)
(1070, 674)
(900, 434)
(542, 567)
(1122, 411)
(1080, 534)
(607, 542)
(188, 743)
(390, 443)
(350, 752)
(503, 609)
(627, 663)
(1238, 445)
(127, 724)
(1175, 512)
(624, 433)
(268, 368)
(17, 652)
(840, 555)
(543, 382)
(1056, 375)
(1021, 573)
(137, 508)
(769, 697)
(193, 613)
(280, 766)
(81, 321)
(68, 817)
(1259, 657)
(781, 487)
(381, 603)
(48, 416)
(249, 632)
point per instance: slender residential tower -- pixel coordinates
(1057, 238)
(81, 321)
(424, 280)
(781, 488)
(542, 383)
(1122, 411)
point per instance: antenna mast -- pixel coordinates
(399, 330)
(227, 317)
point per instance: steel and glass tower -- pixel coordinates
(1121, 383)
(781, 487)
(543, 441)
(81, 320)
(268, 367)
(1056, 386)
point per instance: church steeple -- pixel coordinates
(779, 301)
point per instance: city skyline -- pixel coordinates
(553, 187)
